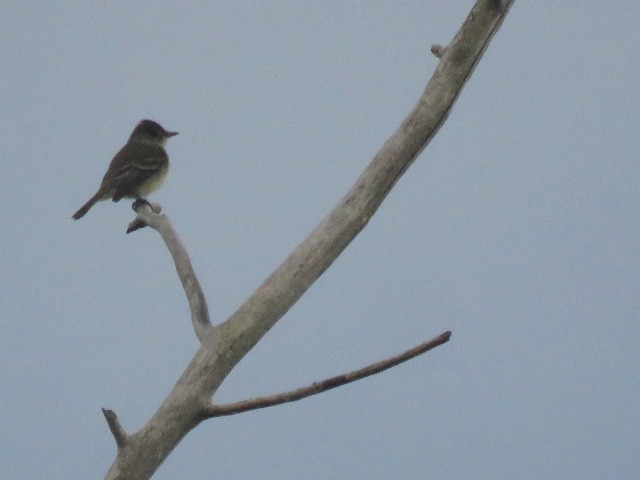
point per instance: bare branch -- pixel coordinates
(318, 387)
(117, 431)
(279, 292)
(182, 409)
(150, 215)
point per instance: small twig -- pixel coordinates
(212, 410)
(438, 50)
(117, 431)
(137, 223)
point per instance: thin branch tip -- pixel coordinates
(119, 435)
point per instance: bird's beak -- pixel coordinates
(170, 134)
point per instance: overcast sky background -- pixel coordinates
(517, 229)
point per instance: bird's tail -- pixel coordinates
(85, 208)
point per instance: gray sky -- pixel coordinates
(517, 229)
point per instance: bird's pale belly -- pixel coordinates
(153, 183)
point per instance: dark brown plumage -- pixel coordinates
(138, 169)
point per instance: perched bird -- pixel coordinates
(139, 168)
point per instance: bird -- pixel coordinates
(139, 168)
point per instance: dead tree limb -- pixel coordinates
(326, 384)
(189, 401)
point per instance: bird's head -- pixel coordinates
(150, 131)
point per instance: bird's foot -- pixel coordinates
(140, 202)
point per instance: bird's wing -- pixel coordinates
(133, 166)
